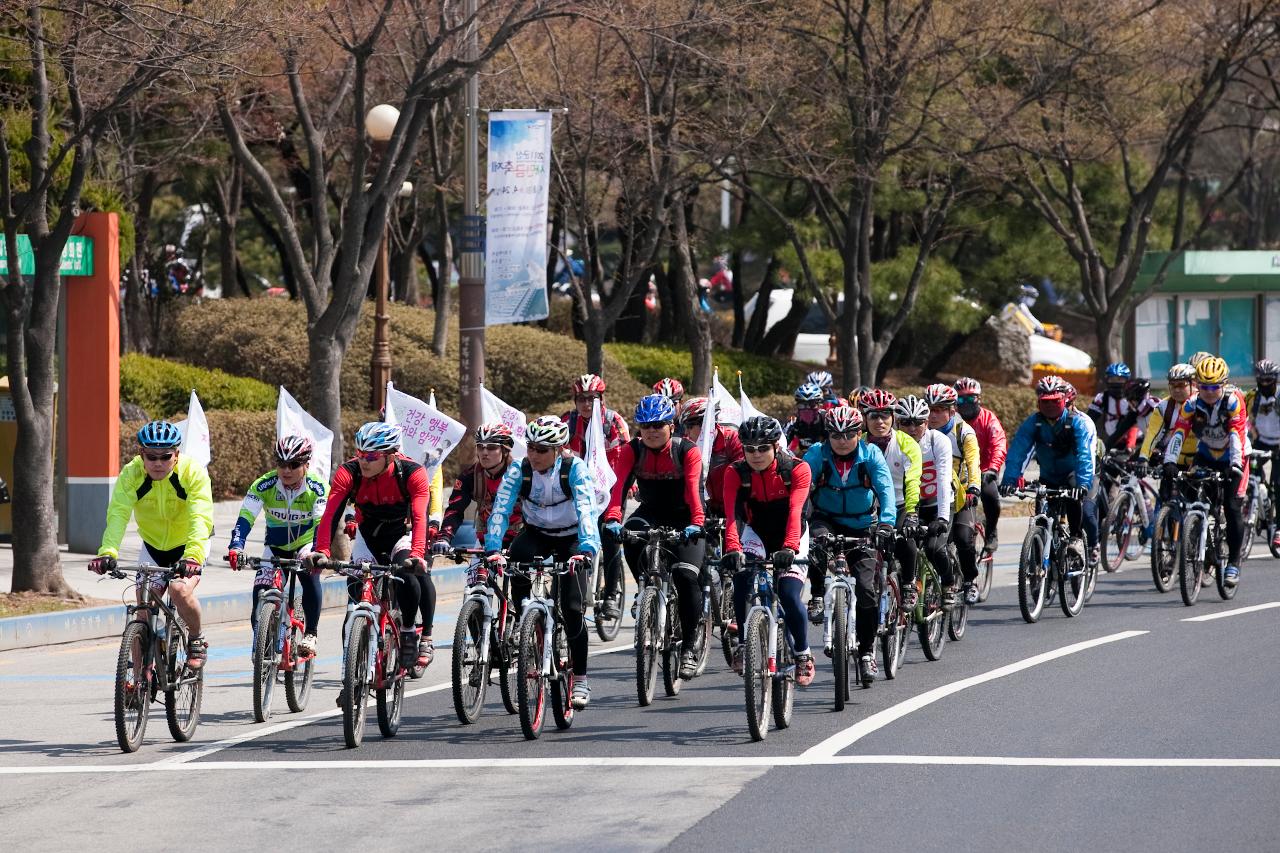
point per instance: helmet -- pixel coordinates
(376, 435)
(1069, 391)
(821, 378)
(1137, 389)
(1183, 372)
(548, 430)
(694, 409)
(809, 392)
(1050, 385)
(495, 433)
(1267, 368)
(911, 408)
(159, 435)
(938, 394)
(967, 385)
(588, 383)
(844, 419)
(761, 429)
(1195, 359)
(855, 396)
(877, 400)
(669, 388)
(655, 409)
(1212, 371)
(294, 448)
(1118, 370)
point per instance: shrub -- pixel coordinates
(163, 388)
(650, 362)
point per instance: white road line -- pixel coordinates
(652, 761)
(842, 740)
(218, 746)
(1209, 617)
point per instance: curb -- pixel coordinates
(94, 623)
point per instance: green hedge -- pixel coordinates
(163, 388)
(1011, 403)
(650, 362)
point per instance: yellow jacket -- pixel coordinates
(170, 513)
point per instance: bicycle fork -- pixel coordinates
(828, 610)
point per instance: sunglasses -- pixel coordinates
(539, 448)
(655, 426)
(692, 423)
(1204, 387)
(879, 416)
(910, 422)
(157, 457)
(757, 448)
(289, 466)
(489, 447)
(942, 408)
(370, 457)
(585, 398)
(847, 435)
(968, 398)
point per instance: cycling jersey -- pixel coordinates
(855, 492)
(389, 507)
(669, 481)
(1264, 412)
(1106, 411)
(801, 435)
(1210, 431)
(1159, 425)
(1064, 450)
(966, 458)
(903, 457)
(774, 507)
(547, 509)
(615, 432)
(936, 477)
(992, 446)
(476, 484)
(176, 512)
(726, 449)
(292, 514)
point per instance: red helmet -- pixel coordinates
(495, 433)
(877, 399)
(694, 409)
(968, 385)
(940, 395)
(1049, 385)
(588, 383)
(669, 388)
(844, 419)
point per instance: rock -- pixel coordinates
(132, 412)
(997, 352)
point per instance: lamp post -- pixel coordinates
(380, 123)
(471, 296)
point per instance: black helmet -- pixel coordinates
(1137, 389)
(760, 430)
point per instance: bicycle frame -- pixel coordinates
(496, 604)
(1199, 505)
(837, 577)
(375, 602)
(540, 575)
(657, 571)
(156, 604)
(276, 594)
(769, 604)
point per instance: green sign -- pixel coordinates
(77, 256)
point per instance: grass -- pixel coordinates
(28, 603)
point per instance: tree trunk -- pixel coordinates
(444, 256)
(404, 276)
(695, 324)
(593, 337)
(760, 317)
(230, 195)
(135, 332)
(325, 374)
(1104, 327)
(866, 308)
(781, 339)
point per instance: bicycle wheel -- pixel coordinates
(470, 674)
(1072, 580)
(561, 682)
(297, 681)
(958, 619)
(508, 671)
(531, 686)
(931, 626)
(355, 680)
(1117, 532)
(265, 659)
(756, 677)
(784, 681)
(1190, 563)
(1271, 534)
(986, 564)
(1250, 519)
(132, 693)
(182, 700)
(1031, 576)
(840, 644)
(1090, 581)
(607, 629)
(728, 637)
(1164, 548)
(1226, 593)
(671, 650)
(390, 693)
(703, 650)
(647, 645)
(891, 640)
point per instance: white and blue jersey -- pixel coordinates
(547, 508)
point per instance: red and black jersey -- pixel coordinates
(476, 484)
(615, 433)
(772, 501)
(387, 505)
(669, 481)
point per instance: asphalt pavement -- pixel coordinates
(1127, 727)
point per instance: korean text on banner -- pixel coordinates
(292, 419)
(429, 434)
(597, 460)
(730, 411)
(494, 410)
(515, 243)
(195, 433)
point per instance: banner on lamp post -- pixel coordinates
(515, 244)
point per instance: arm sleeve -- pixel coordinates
(1154, 424)
(435, 507)
(910, 477)
(1084, 458)
(1019, 451)
(584, 500)
(622, 471)
(942, 453)
(732, 482)
(795, 511)
(1237, 427)
(459, 500)
(503, 504)
(199, 514)
(1248, 407)
(693, 486)
(339, 489)
(119, 511)
(250, 507)
(882, 484)
(999, 444)
(972, 459)
(1177, 437)
(419, 486)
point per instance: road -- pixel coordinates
(1128, 727)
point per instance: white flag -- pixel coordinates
(429, 434)
(748, 410)
(707, 442)
(292, 419)
(494, 410)
(596, 458)
(730, 412)
(195, 433)
(431, 398)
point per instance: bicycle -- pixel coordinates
(607, 628)
(1203, 546)
(144, 643)
(1259, 512)
(483, 638)
(958, 615)
(658, 629)
(720, 588)
(371, 651)
(986, 562)
(839, 617)
(1051, 557)
(1131, 506)
(541, 665)
(1165, 537)
(768, 660)
(275, 640)
(930, 613)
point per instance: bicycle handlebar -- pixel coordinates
(662, 535)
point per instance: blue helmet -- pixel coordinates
(809, 392)
(1118, 370)
(378, 436)
(655, 409)
(159, 435)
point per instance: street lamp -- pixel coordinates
(380, 123)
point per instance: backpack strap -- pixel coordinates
(177, 486)
(566, 465)
(526, 477)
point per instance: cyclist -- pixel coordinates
(807, 427)
(1215, 421)
(1062, 439)
(852, 495)
(1182, 384)
(902, 454)
(478, 483)
(588, 388)
(1110, 404)
(935, 508)
(670, 388)
(824, 380)
(966, 461)
(726, 448)
(667, 470)
(992, 448)
(769, 491)
(391, 494)
(1264, 425)
(293, 499)
(553, 491)
(170, 498)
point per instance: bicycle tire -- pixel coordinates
(706, 625)
(647, 644)
(728, 638)
(672, 649)
(132, 705)
(1190, 567)
(1250, 523)
(840, 644)
(355, 681)
(507, 669)
(1117, 533)
(1226, 593)
(891, 640)
(469, 674)
(986, 564)
(757, 681)
(265, 661)
(531, 687)
(182, 700)
(562, 682)
(1071, 584)
(1164, 549)
(298, 680)
(932, 622)
(1271, 539)
(1090, 581)
(390, 694)
(1032, 578)
(607, 629)
(784, 681)
(958, 619)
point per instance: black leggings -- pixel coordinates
(935, 548)
(790, 592)
(963, 533)
(569, 590)
(863, 570)
(686, 566)
(611, 557)
(990, 497)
